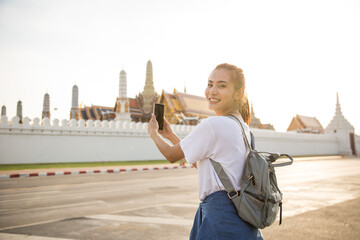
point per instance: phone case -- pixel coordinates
(159, 114)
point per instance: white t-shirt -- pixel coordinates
(219, 138)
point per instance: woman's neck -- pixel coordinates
(235, 113)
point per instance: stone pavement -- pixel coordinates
(340, 221)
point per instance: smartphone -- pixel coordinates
(159, 114)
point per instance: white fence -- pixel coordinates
(36, 141)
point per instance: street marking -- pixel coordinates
(153, 220)
(183, 205)
(82, 204)
(12, 195)
(76, 172)
(7, 236)
(186, 205)
(32, 224)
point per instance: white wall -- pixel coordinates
(77, 141)
(297, 144)
(80, 141)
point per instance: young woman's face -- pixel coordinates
(220, 93)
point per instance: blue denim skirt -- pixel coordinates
(217, 218)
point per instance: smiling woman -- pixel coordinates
(220, 138)
(226, 91)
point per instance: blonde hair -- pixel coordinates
(239, 83)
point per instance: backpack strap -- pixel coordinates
(248, 146)
(252, 141)
(231, 192)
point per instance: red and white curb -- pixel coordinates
(117, 170)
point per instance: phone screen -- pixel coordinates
(159, 114)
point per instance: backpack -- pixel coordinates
(259, 200)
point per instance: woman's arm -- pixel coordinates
(168, 133)
(171, 153)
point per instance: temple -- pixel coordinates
(343, 130)
(338, 121)
(3, 110)
(141, 107)
(305, 124)
(19, 111)
(46, 107)
(183, 108)
(180, 107)
(74, 112)
(122, 102)
(136, 109)
(95, 112)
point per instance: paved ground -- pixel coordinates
(340, 221)
(321, 202)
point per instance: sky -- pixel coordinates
(296, 55)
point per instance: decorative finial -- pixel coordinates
(252, 114)
(19, 111)
(338, 107)
(46, 106)
(3, 110)
(74, 102)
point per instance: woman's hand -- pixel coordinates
(153, 126)
(167, 131)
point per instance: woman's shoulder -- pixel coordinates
(219, 122)
(218, 119)
(222, 122)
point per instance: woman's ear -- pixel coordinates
(239, 94)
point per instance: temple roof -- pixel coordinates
(133, 103)
(310, 122)
(193, 104)
(307, 124)
(95, 112)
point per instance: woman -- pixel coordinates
(220, 138)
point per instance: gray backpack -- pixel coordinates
(260, 199)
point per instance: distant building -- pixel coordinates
(137, 109)
(46, 107)
(19, 111)
(338, 122)
(96, 113)
(180, 108)
(305, 124)
(141, 107)
(256, 123)
(183, 108)
(3, 110)
(74, 103)
(148, 95)
(122, 102)
(341, 127)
